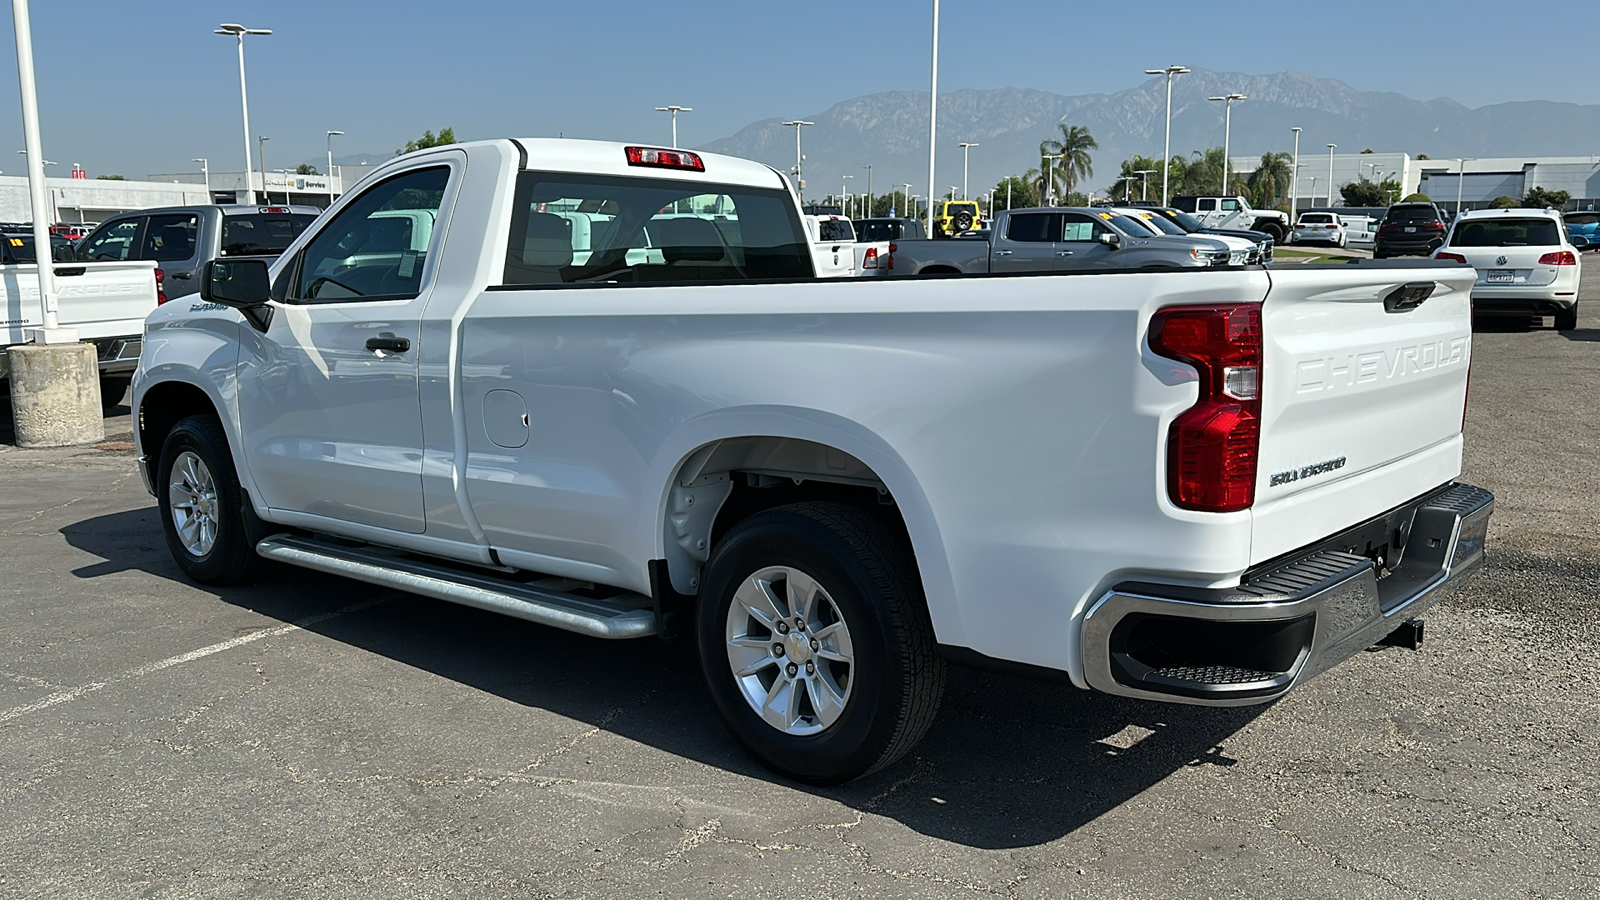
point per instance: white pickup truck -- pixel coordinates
(838, 254)
(1198, 486)
(105, 301)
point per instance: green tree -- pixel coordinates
(1076, 163)
(1539, 198)
(1137, 182)
(883, 203)
(1364, 193)
(1504, 202)
(1202, 175)
(1019, 192)
(1268, 185)
(428, 139)
(1422, 156)
(1366, 151)
(1418, 198)
(306, 169)
(109, 178)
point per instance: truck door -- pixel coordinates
(328, 403)
(1080, 246)
(1028, 245)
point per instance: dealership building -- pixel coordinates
(81, 199)
(1478, 181)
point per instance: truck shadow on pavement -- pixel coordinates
(1010, 762)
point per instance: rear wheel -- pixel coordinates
(202, 504)
(112, 389)
(1567, 319)
(1278, 232)
(815, 642)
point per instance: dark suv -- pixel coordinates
(1415, 229)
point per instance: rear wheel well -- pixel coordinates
(939, 270)
(724, 483)
(165, 405)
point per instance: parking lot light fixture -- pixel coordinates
(1294, 180)
(1461, 177)
(1331, 148)
(674, 110)
(1144, 187)
(1227, 128)
(1166, 153)
(329, 174)
(205, 173)
(1049, 180)
(261, 157)
(907, 186)
(844, 194)
(867, 210)
(799, 158)
(966, 147)
(238, 32)
(933, 114)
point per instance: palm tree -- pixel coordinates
(1074, 146)
(1269, 183)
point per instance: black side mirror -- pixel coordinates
(239, 283)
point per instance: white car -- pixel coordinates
(1240, 251)
(1525, 262)
(1321, 227)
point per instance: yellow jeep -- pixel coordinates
(951, 217)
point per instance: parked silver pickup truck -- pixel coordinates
(1056, 240)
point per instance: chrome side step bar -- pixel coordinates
(625, 615)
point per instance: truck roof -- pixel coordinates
(611, 158)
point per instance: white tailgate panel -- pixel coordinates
(1361, 407)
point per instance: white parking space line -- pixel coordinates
(71, 694)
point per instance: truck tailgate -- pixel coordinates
(105, 299)
(1362, 395)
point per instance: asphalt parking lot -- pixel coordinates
(314, 737)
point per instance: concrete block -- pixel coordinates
(55, 395)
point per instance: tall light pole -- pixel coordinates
(844, 192)
(1313, 190)
(933, 115)
(799, 182)
(261, 157)
(1144, 187)
(674, 110)
(1294, 179)
(52, 332)
(205, 172)
(239, 31)
(867, 213)
(329, 173)
(907, 186)
(1166, 154)
(1331, 148)
(1050, 176)
(966, 147)
(1227, 133)
(1461, 176)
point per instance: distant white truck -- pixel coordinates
(836, 252)
(1236, 212)
(105, 301)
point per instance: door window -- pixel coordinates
(360, 254)
(169, 238)
(1079, 227)
(1205, 205)
(1230, 205)
(1034, 228)
(113, 242)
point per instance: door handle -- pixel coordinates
(388, 342)
(1002, 253)
(182, 276)
(1065, 252)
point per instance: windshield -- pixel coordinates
(1413, 213)
(1583, 218)
(19, 249)
(1185, 221)
(262, 234)
(1506, 233)
(1133, 227)
(1160, 223)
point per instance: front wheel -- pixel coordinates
(815, 642)
(1278, 232)
(202, 504)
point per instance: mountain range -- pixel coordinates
(889, 130)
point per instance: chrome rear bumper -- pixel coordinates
(1293, 618)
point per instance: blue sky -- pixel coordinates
(136, 88)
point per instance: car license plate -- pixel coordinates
(1501, 276)
(1410, 229)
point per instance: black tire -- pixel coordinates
(963, 221)
(1278, 232)
(897, 676)
(1567, 319)
(231, 559)
(112, 389)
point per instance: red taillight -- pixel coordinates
(890, 266)
(1213, 446)
(1560, 258)
(274, 209)
(1453, 257)
(1332, 227)
(871, 260)
(666, 159)
(161, 287)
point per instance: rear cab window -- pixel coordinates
(573, 229)
(835, 231)
(262, 233)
